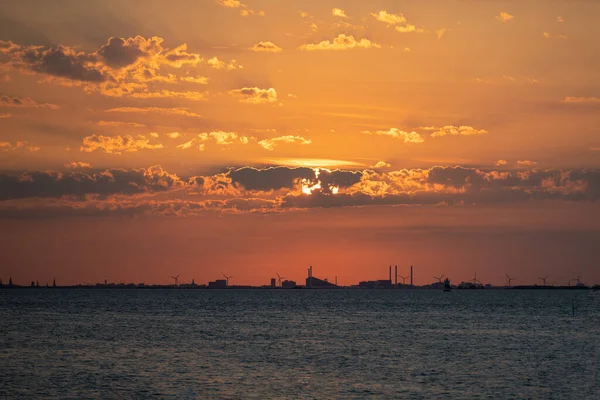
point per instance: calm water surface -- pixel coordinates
(299, 344)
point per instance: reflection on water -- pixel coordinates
(298, 344)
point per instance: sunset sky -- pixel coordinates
(140, 140)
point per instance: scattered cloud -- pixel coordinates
(6, 147)
(78, 165)
(504, 17)
(582, 100)
(254, 95)
(25, 102)
(155, 110)
(5, 115)
(341, 42)
(407, 137)
(548, 35)
(560, 20)
(120, 123)
(218, 64)
(450, 130)
(173, 135)
(266, 47)
(391, 19)
(408, 29)
(117, 144)
(381, 165)
(292, 96)
(202, 80)
(154, 135)
(270, 144)
(526, 163)
(338, 12)
(192, 144)
(501, 163)
(224, 138)
(440, 32)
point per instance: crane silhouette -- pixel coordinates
(279, 278)
(509, 279)
(227, 278)
(404, 278)
(544, 279)
(176, 279)
(439, 278)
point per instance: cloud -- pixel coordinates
(450, 130)
(341, 42)
(501, 163)
(202, 80)
(155, 110)
(163, 94)
(224, 138)
(120, 67)
(173, 135)
(526, 163)
(270, 144)
(154, 135)
(231, 3)
(548, 35)
(192, 144)
(117, 144)
(440, 32)
(78, 165)
(218, 64)
(560, 20)
(5, 115)
(582, 100)
(120, 123)
(392, 19)
(254, 95)
(504, 17)
(399, 22)
(338, 12)
(381, 164)
(407, 137)
(266, 47)
(25, 102)
(408, 29)
(248, 13)
(6, 147)
(278, 189)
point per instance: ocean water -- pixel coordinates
(299, 344)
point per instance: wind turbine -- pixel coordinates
(509, 279)
(439, 278)
(176, 279)
(227, 278)
(279, 278)
(404, 278)
(544, 279)
(475, 280)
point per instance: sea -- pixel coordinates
(299, 344)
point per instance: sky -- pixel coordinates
(257, 137)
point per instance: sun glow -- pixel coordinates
(310, 185)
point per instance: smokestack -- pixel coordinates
(390, 274)
(396, 275)
(336, 281)
(411, 275)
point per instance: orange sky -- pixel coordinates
(139, 142)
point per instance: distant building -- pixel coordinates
(218, 284)
(313, 282)
(378, 284)
(273, 282)
(288, 284)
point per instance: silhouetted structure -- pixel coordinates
(288, 284)
(411, 275)
(378, 284)
(218, 284)
(10, 282)
(273, 282)
(54, 282)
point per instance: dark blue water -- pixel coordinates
(299, 344)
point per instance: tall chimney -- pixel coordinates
(396, 275)
(390, 274)
(411, 275)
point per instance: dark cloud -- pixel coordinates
(118, 52)
(111, 181)
(270, 178)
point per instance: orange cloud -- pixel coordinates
(450, 130)
(254, 95)
(119, 123)
(156, 110)
(504, 17)
(341, 42)
(501, 163)
(338, 12)
(266, 47)
(407, 137)
(526, 163)
(117, 144)
(6, 147)
(392, 19)
(582, 100)
(270, 144)
(25, 102)
(78, 165)
(202, 80)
